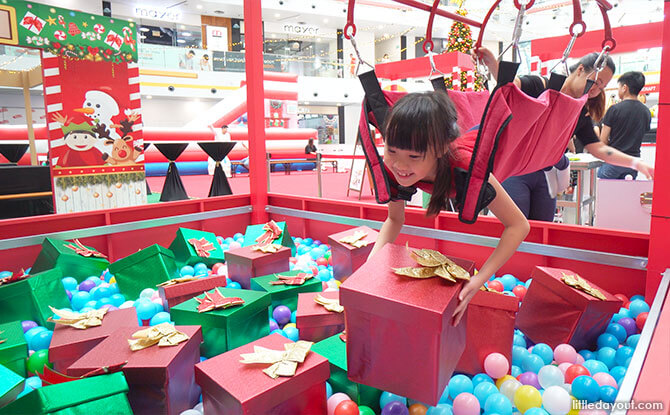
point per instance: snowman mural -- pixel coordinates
(100, 107)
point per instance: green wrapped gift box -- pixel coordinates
(11, 385)
(253, 232)
(144, 269)
(225, 329)
(285, 294)
(187, 254)
(30, 298)
(14, 349)
(335, 350)
(105, 394)
(58, 254)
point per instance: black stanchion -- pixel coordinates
(218, 150)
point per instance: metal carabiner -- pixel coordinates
(358, 55)
(516, 35)
(566, 54)
(480, 68)
(601, 60)
(433, 67)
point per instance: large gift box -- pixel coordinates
(191, 246)
(146, 268)
(335, 350)
(160, 378)
(226, 328)
(314, 321)
(270, 232)
(73, 258)
(29, 298)
(553, 312)
(287, 293)
(68, 344)
(14, 349)
(246, 263)
(400, 336)
(173, 294)
(104, 394)
(11, 385)
(489, 329)
(348, 257)
(234, 388)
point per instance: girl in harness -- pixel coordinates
(420, 150)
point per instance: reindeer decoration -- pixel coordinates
(122, 152)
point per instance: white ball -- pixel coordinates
(147, 293)
(127, 304)
(191, 412)
(556, 400)
(199, 408)
(509, 387)
(234, 245)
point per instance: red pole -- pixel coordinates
(253, 40)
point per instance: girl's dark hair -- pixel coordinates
(596, 106)
(589, 62)
(426, 122)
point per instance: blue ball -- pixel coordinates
(91, 304)
(608, 393)
(187, 270)
(498, 404)
(145, 309)
(233, 284)
(79, 299)
(508, 281)
(293, 317)
(329, 390)
(33, 332)
(159, 307)
(388, 397)
(324, 275)
(159, 318)
(444, 398)
(481, 377)
(41, 340)
(632, 340)
(5, 274)
(102, 292)
(587, 354)
(518, 354)
(238, 236)
(279, 331)
(315, 253)
(520, 341)
(117, 299)
(292, 333)
(115, 288)
(618, 372)
(532, 363)
(623, 353)
(618, 331)
(607, 340)
(95, 279)
(440, 409)
(536, 411)
(585, 388)
(33, 382)
(69, 283)
(308, 241)
(616, 317)
(55, 317)
(638, 306)
(297, 239)
(459, 384)
(528, 281)
(637, 297)
(103, 302)
(595, 366)
(87, 309)
(200, 266)
(483, 391)
(545, 352)
(624, 312)
(515, 371)
(607, 355)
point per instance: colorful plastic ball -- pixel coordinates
(594, 366)
(586, 355)
(33, 382)
(91, 304)
(498, 404)
(440, 409)
(623, 353)
(147, 293)
(633, 340)
(234, 245)
(575, 371)
(607, 355)
(624, 312)
(96, 280)
(158, 318)
(637, 297)
(200, 267)
(86, 309)
(387, 397)
(550, 376)
(396, 408)
(608, 393)
(496, 285)
(109, 307)
(27, 325)
(496, 365)
(529, 378)
(40, 340)
(603, 378)
(102, 292)
(282, 314)
(618, 372)
(292, 333)
(69, 283)
(466, 404)
(556, 400)
(279, 331)
(499, 382)
(565, 353)
(324, 275)
(459, 384)
(607, 340)
(117, 299)
(585, 388)
(515, 371)
(618, 331)
(33, 332)
(520, 291)
(37, 360)
(127, 304)
(335, 400)
(638, 306)
(508, 281)
(520, 341)
(233, 284)
(509, 388)
(481, 377)
(527, 397)
(273, 325)
(145, 310)
(536, 411)
(532, 363)
(544, 351)
(365, 410)
(622, 297)
(329, 390)
(187, 270)
(191, 412)
(563, 367)
(518, 354)
(483, 390)
(347, 407)
(417, 409)
(641, 319)
(86, 285)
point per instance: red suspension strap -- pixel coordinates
(429, 29)
(609, 41)
(350, 21)
(480, 37)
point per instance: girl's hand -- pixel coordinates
(487, 57)
(467, 292)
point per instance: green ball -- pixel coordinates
(364, 410)
(37, 361)
(327, 255)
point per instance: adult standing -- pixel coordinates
(220, 135)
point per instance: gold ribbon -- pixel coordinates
(581, 284)
(329, 304)
(164, 334)
(355, 239)
(433, 264)
(267, 249)
(283, 363)
(176, 281)
(81, 321)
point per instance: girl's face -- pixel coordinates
(409, 167)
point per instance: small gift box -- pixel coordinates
(492, 314)
(270, 232)
(160, 378)
(400, 328)
(335, 350)
(104, 394)
(73, 258)
(285, 286)
(11, 385)
(146, 268)
(14, 349)
(234, 388)
(246, 263)
(178, 292)
(191, 246)
(28, 297)
(314, 321)
(227, 328)
(348, 256)
(68, 343)
(554, 312)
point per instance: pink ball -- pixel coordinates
(466, 404)
(564, 366)
(335, 400)
(564, 353)
(579, 359)
(155, 296)
(605, 379)
(496, 365)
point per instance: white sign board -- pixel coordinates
(298, 30)
(217, 38)
(158, 13)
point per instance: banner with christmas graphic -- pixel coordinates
(95, 133)
(69, 33)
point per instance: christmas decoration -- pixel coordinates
(460, 40)
(202, 247)
(272, 232)
(216, 300)
(284, 363)
(164, 334)
(14, 278)
(291, 280)
(80, 249)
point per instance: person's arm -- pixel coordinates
(392, 225)
(516, 229)
(491, 62)
(605, 134)
(613, 156)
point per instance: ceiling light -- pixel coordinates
(149, 97)
(199, 6)
(181, 41)
(144, 29)
(183, 27)
(186, 34)
(306, 102)
(277, 15)
(325, 20)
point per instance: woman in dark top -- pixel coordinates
(530, 192)
(310, 148)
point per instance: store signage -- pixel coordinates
(158, 13)
(217, 38)
(648, 89)
(298, 30)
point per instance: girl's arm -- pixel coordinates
(516, 229)
(392, 225)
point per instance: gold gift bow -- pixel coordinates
(164, 334)
(433, 264)
(283, 363)
(81, 321)
(581, 284)
(267, 249)
(355, 239)
(329, 304)
(176, 281)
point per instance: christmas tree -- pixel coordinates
(460, 40)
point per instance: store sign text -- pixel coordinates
(295, 29)
(158, 14)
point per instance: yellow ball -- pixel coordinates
(503, 379)
(290, 325)
(338, 282)
(112, 280)
(574, 408)
(527, 397)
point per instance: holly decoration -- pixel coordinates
(460, 40)
(66, 182)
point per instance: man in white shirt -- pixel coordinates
(220, 135)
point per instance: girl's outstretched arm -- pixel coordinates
(392, 225)
(516, 229)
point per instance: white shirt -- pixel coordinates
(219, 136)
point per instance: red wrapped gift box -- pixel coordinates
(68, 344)
(233, 388)
(489, 329)
(554, 313)
(346, 258)
(400, 336)
(160, 379)
(314, 321)
(178, 293)
(245, 263)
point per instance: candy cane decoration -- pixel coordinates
(60, 35)
(128, 37)
(61, 20)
